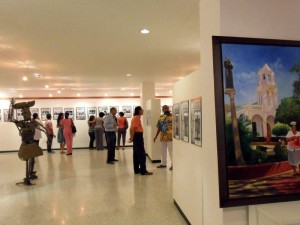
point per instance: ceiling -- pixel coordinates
(86, 47)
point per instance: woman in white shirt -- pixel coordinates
(293, 139)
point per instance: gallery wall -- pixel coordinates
(195, 181)
(9, 135)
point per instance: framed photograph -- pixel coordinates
(257, 91)
(91, 111)
(70, 111)
(80, 113)
(176, 121)
(0, 115)
(117, 107)
(184, 122)
(19, 115)
(127, 111)
(34, 110)
(103, 109)
(196, 121)
(56, 112)
(5, 115)
(44, 112)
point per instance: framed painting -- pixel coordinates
(103, 109)
(257, 97)
(80, 113)
(44, 112)
(19, 115)
(176, 121)
(56, 112)
(5, 115)
(70, 111)
(127, 111)
(196, 121)
(92, 111)
(34, 110)
(184, 120)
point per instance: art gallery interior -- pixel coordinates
(93, 54)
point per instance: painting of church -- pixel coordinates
(262, 113)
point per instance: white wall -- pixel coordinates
(195, 169)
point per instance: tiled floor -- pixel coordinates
(83, 189)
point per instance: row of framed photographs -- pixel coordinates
(184, 112)
(81, 113)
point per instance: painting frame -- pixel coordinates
(91, 111)
(220, 70)
(127, 110)
(56, 112)
(44, 112)
(70, 110)
(185, 121)
(80, 113)
(196, 121)
(104, 109)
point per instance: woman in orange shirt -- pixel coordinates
(122, 129)
(136, 136)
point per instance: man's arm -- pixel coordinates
(132, 132)
(157, 133)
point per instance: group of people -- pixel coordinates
(110, 125)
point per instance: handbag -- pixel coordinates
(74, 130)
(126, 124)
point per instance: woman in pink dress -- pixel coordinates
(66, 124)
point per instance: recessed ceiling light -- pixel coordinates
(20, 96)
(106, 94)
(78, 95)
(131, 94)
(25, 78)
(37, 75)
(46, 86)
(128, 74)
(145, 31)
(50, 95)
(123, 89)
(157, 94)
(170, 91)
(58, 92)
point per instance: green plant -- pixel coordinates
(280, 129)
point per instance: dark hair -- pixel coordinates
(92, 117)
(101, 114)
(35, 115)
(112, 108)
(59, 118)
(137, 110)
(48, 116)
(121, 114)
(67, 115)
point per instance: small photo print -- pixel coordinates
(44, 113)
(80, 113)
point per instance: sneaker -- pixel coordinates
(161, 166)
(171, 168)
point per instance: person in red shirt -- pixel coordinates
(122, 129)
(136, 136)
(67, 124)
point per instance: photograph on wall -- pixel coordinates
(19, 115)
(91, 111)
(0, 115)
(257, 119)
(196, 121)
(127, 111)
(80, 113)
(117, 107)
(34, 110)
(176, 121)
(103, 109)
(184, 122)
(5, 115)
(56, 112)
(70, 111)
(148, 117)
(44, 112)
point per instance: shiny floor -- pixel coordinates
(83, 189)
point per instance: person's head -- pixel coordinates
(35, 116)
(138, 111)
(165, 109)
(113, 111)
(67, 115)
(49, 116)
(101, 114)
(92, 117)
(293, 126)
(121, 114)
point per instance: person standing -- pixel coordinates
(110, 124)
(293, 139)
(136, 136)
(67, 124)
(60, 134)
(50, 133)
(37, 132)
(91, 124)
(122, 129)
(99, 130)
(164, 127)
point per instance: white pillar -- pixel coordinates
(147, 92)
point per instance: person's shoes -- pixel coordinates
(123, 148)
(138, 172)
(161, 166)
(171, 168)
(115, 160)
(110, 162)
(69, 154)
(147, 173)
(62, 152)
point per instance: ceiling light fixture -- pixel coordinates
(20, 96)
(170, 91)
(50, 95)
(78, 95)
(25, 78)
(46, 86)
(145, 31)
(128, 74)
(131, 94)
(58, 92)
(37, 75)
(106, 95)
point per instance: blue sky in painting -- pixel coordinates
(247, 60)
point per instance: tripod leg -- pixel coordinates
(32, 175)
(26, 180)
